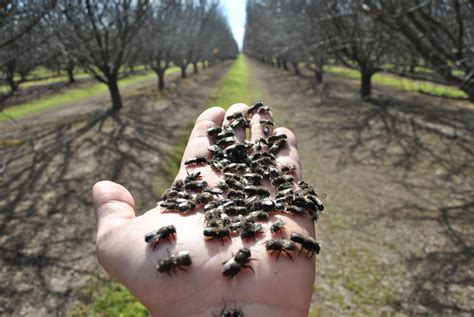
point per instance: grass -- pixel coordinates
(234, 86)
(397, 82)
(71, 95)
(114, 299)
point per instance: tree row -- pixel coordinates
(107, 38)
(429, 40)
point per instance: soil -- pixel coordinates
(397, 233)
(50, 162)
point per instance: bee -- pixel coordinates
(241, 121)
(168, 205)
(234, 264)
(174, 261)
(212, 131)
(259, 144)
(250, 230)
(192, 177)
(235, 167)
(254, 190)
(266, 124)
(278, 146)
(231, 312)
(264, 109)
(177, 185)
(253, 109)
(288, 168)
(253, 178)
(162, 233)
(267, 205)
(279, 246)
(214, 149)
(234, 194)
(186, 205)
(203, 198)
(226, 134)
(225, 142)
(258, 215)
(235, 115)
(169, 193)
(217, 232)
(195, 185)
(294, 209)
(307, 243)
(274, 138)
(196, 161)
(278, 226)
(233, 183)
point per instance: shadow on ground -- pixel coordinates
(47, 225)
(401, 195)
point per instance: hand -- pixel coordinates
(278, 288)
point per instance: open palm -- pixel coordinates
(277, 288)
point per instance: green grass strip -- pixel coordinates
(234, 87)
(401, 83)
(71, 95)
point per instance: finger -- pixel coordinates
(289, 154)
(240, 130)
(113, 205)
(256, 129)
(198, 141)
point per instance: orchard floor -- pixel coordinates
(50, 162)
(397, 232)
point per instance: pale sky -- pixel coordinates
(235, 10)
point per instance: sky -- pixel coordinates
(235, 10)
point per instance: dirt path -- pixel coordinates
(397, 235)
(47, 227)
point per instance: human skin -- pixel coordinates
(280, 287)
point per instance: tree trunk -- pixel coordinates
(295, 68)
(285, 65)
(203, 65)
(319, 75)
(183, 71)
(278, 63)
(161, 79)
(366, 83)
(469, 90)
(70, 75)
(195, 67)
(115, 96)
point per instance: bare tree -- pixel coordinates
(441, 32)
(99, 35)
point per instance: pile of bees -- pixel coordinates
(253, 188)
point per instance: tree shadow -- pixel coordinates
(47, 225)
(429, 219)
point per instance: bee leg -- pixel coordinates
(301, 250)
(155, 244)
(168, 272)
(278, 255)
(248, 266)
(288, 253)
(181, 268)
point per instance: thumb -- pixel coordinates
(113, 205)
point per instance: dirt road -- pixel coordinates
(397, 235)
(47, 225)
